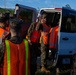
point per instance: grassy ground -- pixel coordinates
(66, 72)
(63, 71)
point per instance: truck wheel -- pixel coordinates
(52, 61)
(55, 59)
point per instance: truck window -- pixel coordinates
(68, 23)
(26, 13)
(53, 18)
(26, 16)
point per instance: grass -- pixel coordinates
(63, 71)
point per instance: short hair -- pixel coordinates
(6, 15)
(42, 12)
(44, 15)
(4, 18)
(15, 24)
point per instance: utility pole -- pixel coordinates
(5, 4)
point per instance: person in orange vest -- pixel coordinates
(53, 40)
(33, 38)
(44, 27)
(7, 17)
(3, 34)
(53, 45)
(16, 52)
(3, 25)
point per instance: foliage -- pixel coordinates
(2, 10)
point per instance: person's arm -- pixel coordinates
(39, 26)
(30, 30)
(1, 51)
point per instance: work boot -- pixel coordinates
(57, 70)
(43, 69)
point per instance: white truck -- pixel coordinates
(66, 33)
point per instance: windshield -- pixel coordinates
(26, 16)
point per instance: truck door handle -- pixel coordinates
(65, 38)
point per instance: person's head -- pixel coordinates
(6, 17)
(2, 22)
(43, 18)
(15, 26)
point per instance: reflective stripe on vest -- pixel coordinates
(8, 56)
(26, 46)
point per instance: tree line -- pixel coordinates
(2, 10)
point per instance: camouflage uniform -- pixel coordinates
(44, 46)
(30, 30)
(33, 51)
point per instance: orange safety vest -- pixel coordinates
(35, 36)
(3, 33)
(16, 58)
(53, 37)
(45, 34)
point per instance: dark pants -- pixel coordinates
(33, 69)
(33, 55)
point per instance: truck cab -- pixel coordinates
(66, 17)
